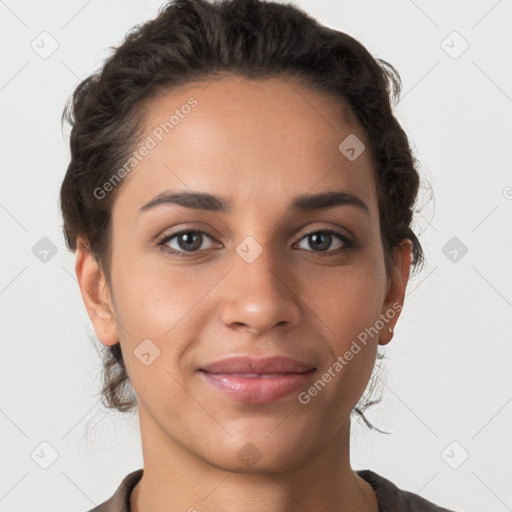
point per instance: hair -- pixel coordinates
(197, 40)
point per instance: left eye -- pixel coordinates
(322, 240)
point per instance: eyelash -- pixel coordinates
(347, 243)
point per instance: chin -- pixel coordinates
(257, 454)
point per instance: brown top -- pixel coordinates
(389, 496)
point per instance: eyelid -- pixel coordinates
(187, 227)
(193, 227)
(167, 237)
(338, 229)
(348, 242)
(324, 230)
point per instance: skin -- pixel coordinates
(258, 144)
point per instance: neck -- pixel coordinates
(175, 480)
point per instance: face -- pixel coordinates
(255, 273)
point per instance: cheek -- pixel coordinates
(152, 297)
(164, 305)
(347, 299)
(156, 310)
(348, 306)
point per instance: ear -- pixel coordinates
(397, 284)
(96, 295)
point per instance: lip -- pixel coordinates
(257, 381)
(262, 366)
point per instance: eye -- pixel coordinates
(321, 240)
(187, 241)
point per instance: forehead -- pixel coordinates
(244, 139)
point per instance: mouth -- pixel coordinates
(246, 365)
(257, 381)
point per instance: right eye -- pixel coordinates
(187, 241)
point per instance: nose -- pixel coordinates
(260, 295)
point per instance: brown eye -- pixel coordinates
(320, 241)
(190, 241)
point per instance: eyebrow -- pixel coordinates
(214, 203)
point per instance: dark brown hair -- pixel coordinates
(197, 40)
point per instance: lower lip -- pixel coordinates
(257, 390)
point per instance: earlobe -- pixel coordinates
(394, 301)
(96, 295)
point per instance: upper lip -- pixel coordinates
(263, 366)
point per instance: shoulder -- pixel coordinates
(393, 499)
(120, 501)
(390, 498)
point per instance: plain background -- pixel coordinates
(447, 389)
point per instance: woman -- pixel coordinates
(240, 200)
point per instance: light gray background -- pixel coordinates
(448, 370)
